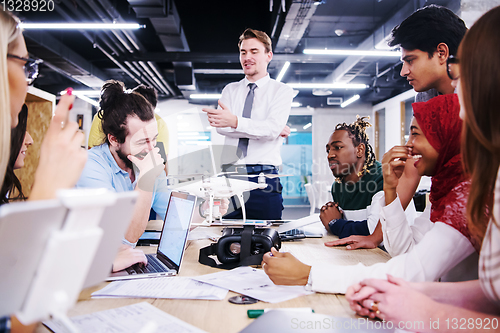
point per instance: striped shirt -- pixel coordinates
(489, 260)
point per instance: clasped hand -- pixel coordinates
(393, 299)
(328, 212)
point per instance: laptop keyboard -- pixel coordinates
(154, 266)
(292, 234)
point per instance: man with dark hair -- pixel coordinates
(97, 137)
(128, 160)
(252, 115)
(427, 38)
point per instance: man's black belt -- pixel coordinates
(249, 168)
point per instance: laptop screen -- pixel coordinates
(176, 227)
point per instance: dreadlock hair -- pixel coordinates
(358, 135)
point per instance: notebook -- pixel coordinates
(168, 257)
(25, 228)
(114, 223)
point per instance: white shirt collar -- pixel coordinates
(260, 82)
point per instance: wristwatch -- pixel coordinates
(332, 222)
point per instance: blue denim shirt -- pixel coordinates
(102, 171)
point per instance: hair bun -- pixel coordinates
(149, 93)
(110, 92)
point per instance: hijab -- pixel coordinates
(439, 120)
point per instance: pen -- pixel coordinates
(257, 312)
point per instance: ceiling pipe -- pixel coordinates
(134, 67)
(113, 13)
(96, 45)
(106, 37)
(106, 18)
(156, 69)
(147, 78)
(152, 75)
(139, 75)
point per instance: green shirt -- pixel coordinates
(359, 195)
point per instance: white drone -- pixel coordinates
(220, 186)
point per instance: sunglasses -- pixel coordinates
(30, 67)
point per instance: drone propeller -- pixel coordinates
(267, 175)
(193, 175)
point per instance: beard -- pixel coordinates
(124, 158)
(345, 171)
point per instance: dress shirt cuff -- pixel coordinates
(308, 286)
(243, 124)
(392, 212)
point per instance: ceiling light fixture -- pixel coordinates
(306, 126)
(283, 71)
(83, 97)
(81, 26)
(321, 92)
(364, 53)
(296, 104)
(205, 96)
(88, 93)
(336, 85)
(350, 101)
(218, 71)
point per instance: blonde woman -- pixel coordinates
(61, 157)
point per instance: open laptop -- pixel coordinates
(114, 223)
(25, 228)
(167, 260)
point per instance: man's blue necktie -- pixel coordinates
(247, 111)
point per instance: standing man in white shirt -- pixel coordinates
(252, 115)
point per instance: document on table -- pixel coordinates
(128, 319)
(254, 283)
(163, 287)
(313, 218)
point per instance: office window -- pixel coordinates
(296, 154)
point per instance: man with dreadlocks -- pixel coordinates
(358, 177)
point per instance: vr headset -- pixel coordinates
(240, 247)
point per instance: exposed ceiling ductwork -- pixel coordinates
(191, 46)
